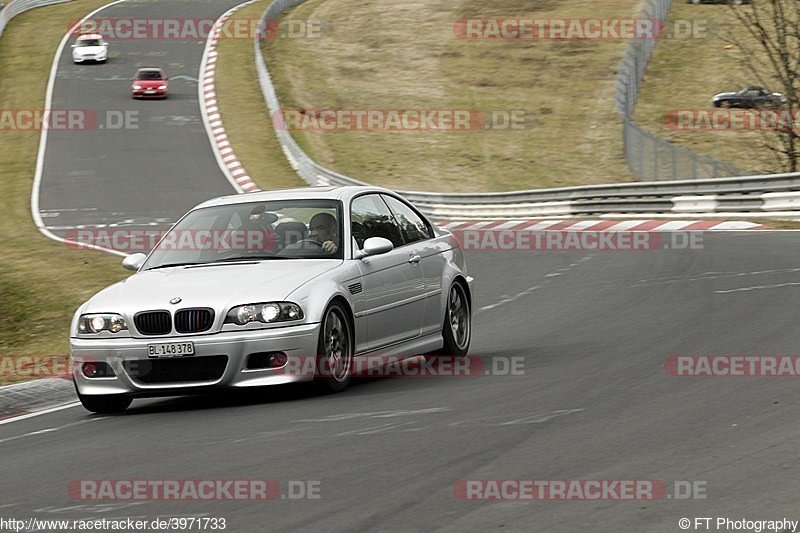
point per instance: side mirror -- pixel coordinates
(74, 45)
(133, 262)
(375, 246)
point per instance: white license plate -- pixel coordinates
(150, 90)
(170, 349)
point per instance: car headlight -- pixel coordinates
(267, 313)
(96, 323)
(137, 87)
(162, 86)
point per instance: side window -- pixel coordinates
(412, 226)
(371, 218)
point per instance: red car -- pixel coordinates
(149, 83)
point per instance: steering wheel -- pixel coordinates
(312, 241)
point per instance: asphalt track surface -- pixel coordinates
(594, 402)
(146, 171)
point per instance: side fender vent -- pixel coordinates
(355, 288)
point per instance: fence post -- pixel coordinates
(656, 173)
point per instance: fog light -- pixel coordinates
(89, 370)
(278, 359)
(264, 360)
(97, 369)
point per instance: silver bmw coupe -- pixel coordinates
(271, 288)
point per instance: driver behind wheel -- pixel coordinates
(322, 228)
(323, 234)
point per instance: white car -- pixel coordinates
(90, 47)
(334, 273)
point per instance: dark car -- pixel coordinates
(731, 2)
(749, 98)
(149, 83)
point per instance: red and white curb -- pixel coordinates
(602, 225)
(209, 109)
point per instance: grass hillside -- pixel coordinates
(397, 54)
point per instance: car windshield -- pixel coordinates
(149, 75)
(90, 42)
(285, 229)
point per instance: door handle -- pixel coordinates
(414, 259)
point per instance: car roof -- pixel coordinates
(343, 193)
(88, 36)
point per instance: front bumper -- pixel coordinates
(297, 342)
(81, 59)
(142, 93)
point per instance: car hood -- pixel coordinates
(89, 50)
(725, 95)
(150, 84)
(218, 286)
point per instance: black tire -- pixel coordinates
(457, 334)
(334, 372)
(105, 403)
(725, 104)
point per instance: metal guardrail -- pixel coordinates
(751, 194)
(15, 7)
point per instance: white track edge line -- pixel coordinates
(37, 177)
(39, 413)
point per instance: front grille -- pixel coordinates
(153, 322)
(193, 320)
(177, 370)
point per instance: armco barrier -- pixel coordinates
(15, 7)
(752, 194)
